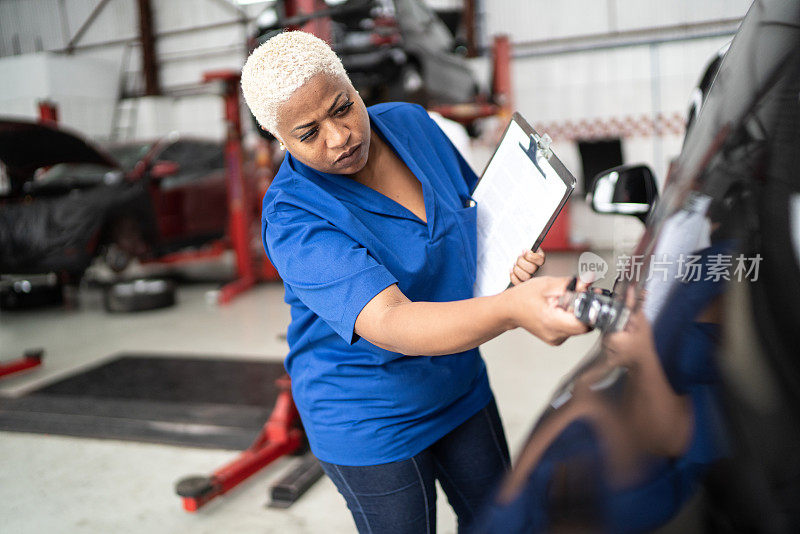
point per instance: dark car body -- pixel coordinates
(686, 414)
(392, 49)
(69, 201)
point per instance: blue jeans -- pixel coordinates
(400, 497)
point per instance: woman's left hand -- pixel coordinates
(527, 264)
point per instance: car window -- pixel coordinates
(193, 155)
(195, 160)
(129, 154)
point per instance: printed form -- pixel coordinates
(515, 200)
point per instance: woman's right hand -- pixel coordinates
(534, 307)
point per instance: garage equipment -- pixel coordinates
(281, 435)
(139, 295)
(31, 358)
(249, 269)
(30, 291)
(295, 483)
(239, 225)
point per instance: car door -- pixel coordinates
(192, 201)
(688, 408)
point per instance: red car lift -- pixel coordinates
(239, 225)
(238, 220)
(32, 358)
(281, 435)
(248, 269)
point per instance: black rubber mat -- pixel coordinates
(200, 402)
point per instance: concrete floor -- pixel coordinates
(65, 485)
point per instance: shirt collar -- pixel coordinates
(349, 190)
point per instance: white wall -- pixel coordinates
(607, 84)
(633, 82)
(27, 26)
(84, 89)
(534, 20)
(592, 85)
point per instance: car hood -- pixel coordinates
(26, 146)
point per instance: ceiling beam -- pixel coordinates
(86, 25)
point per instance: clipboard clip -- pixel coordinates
(543, 143)
(539, 146)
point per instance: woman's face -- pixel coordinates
(325, 125)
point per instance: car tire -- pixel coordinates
(139, 295)
(24, 295)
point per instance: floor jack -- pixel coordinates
(281, 435)
(31, 358)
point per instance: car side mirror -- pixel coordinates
(162, 169)
(624, 190)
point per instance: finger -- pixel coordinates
(521, 273)
(526, 266)
(582, 286)
(514, 280)
(538, 259)
(567, 323)
(535, 257)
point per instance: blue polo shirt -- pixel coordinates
(336, 244)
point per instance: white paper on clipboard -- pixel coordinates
(518, 196)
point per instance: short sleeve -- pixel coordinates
(326, 269)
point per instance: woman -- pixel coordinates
(369, 224)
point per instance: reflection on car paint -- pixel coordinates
(697, 387)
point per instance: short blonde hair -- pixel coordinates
(280, 66)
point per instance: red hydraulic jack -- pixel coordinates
(280, 436)
(31, 358)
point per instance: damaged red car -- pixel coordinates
(64, 201)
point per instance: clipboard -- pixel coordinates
(519, 195)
